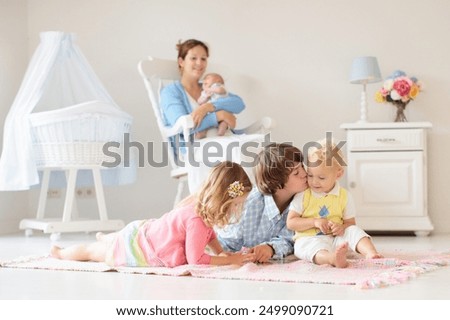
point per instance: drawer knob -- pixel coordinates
(352, 185)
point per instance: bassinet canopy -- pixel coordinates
(58, 78)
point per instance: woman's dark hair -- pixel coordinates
(185, 46)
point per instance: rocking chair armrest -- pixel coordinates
(263, 125)
(184, 124)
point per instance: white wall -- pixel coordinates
(288, 59)
(13, 61)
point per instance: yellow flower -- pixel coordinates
(379, 97)
(414, 91)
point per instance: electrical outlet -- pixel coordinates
(85, 192)
(54, 193)
(89, 192)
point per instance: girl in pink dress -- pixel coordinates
(179, 236)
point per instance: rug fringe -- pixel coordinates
(404, 273)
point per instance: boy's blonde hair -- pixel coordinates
(326, 152)
(214, 199)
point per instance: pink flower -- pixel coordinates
(402, 86)
(407, 79)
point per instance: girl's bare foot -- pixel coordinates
(55, 252)
(99, 236)
(340, 256)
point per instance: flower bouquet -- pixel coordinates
(399, 89)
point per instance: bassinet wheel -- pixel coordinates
(28, 232)
(55, 236)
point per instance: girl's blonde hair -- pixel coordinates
(214, 200)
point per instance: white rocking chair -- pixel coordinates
(159, 72)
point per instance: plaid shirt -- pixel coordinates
(261, 223)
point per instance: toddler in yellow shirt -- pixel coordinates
(323, 216)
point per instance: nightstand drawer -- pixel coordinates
(377, 140)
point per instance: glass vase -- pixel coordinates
(400, 114)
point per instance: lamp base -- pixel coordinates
(363, 106)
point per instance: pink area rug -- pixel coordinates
(366, 274)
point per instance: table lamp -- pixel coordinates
(364, 70)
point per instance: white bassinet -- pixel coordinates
(71, 139)
(75, 136)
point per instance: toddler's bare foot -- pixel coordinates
(340, 256)
(99, 236)
(55, 252)
(223, 127)
(374, 255)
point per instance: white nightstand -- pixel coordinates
(387, 175)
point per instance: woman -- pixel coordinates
(180, 98)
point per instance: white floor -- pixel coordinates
(43, 284)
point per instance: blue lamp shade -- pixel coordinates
(365, 70)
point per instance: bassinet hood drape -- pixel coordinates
(58, 76)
